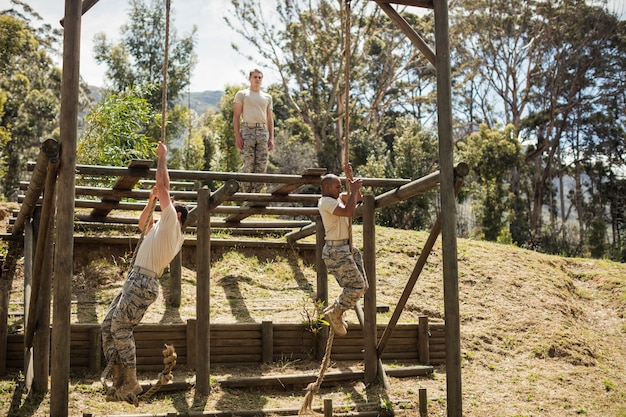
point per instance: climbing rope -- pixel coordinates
(313, 388)
(169, 360)
(107, 369)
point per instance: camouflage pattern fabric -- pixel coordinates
(125, 312)
(254, 153)
(348, 271)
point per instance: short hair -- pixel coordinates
(182, 209)
(328, 178)
(254, 71)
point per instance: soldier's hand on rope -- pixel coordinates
(355, 187)
(161, 150)
(347, 168)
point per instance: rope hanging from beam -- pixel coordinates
(313, 388)
(169, 353)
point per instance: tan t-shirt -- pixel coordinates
(161, 243)
(336, 227)
(255, 105)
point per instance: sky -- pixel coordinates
(218, 64)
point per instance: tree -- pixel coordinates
(139, 58)
(304, 42)
(490, 155)
(30, 88)
(115, 131)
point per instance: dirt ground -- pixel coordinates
(540, 335)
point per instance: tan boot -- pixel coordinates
(334, 314)
(118, 381)
(130, 389)
(118, 376)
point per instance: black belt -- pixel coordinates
(337, 242)
(253, 124)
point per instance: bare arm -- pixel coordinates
(237, 110)
(162, 177)
(353, 198)
(270, 128)
(146, 219)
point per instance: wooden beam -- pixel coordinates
(137, 167)
(309, 176)
(219, 196)
(427, 4)
(408, 30)
(49, 152)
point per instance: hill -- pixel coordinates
(197, 101)
(541, 335)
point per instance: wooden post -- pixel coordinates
(29, 245)
(369, 301)
(328, 407)
(95, 351)
(423, 402)
(42, 268)
(59, 393)
(191, 343)
(41, 342)
(203, 294)
(176, 271)
(448, 211)
(7, 272)
(322, 284)
(267, 342)
(423, 346)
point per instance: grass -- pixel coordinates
(541, 335)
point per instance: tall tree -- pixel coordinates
(138, 60)
(30, 88)
(536, 65)
(304, 41)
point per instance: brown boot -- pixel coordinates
(118, 376)
(334, 314)
(130, 389)
(118, 381)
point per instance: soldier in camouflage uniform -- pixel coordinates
(342, 260)
(253, 123)
(162, 241)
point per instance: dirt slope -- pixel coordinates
(541, 335)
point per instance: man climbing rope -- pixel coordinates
(342, 260)
(160, 243)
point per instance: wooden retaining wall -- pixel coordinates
(238, 343)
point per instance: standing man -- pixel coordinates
(342, 260)
(253, 123)
(162, 241)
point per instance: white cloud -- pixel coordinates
(218, 64)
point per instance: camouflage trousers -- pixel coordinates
(348, 271)
(254, 154)
(125, 312)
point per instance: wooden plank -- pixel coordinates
(427, 4)
(308, 176)
(137, 169)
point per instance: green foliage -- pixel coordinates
(414, 155)
(115, 131)
(312, 313)
(229, 158)
(138, 61)
(491, 155)
(30, 88)
(597, 237)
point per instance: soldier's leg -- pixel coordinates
(248, 154)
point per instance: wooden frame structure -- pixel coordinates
(62, 168)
